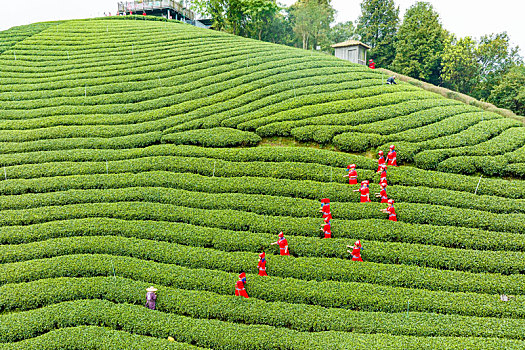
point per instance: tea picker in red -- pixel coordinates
(283, 244)
(392, 156)
(325, 210)
(382, 194)
(390, 211)
(381, 161)
(365, 192)
(382, 178)
(261, 265)
(239, 286)
(327, 230)
(352, 174)
(356, 251)
(371, 64)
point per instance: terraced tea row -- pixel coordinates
(266, 122)
(299, 317)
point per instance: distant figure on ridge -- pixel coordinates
(391, 80)
(283, 244)
(356, 251)
(371, 64)
(352, 174)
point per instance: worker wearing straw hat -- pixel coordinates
(239, 286)
(151, 297)
(261, 265)
(352, 175)
(283, 244)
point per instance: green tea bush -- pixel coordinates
(214, 137)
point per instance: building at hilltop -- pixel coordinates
(351, 50)
(162, 8)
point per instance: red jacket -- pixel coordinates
(391, 214)
(239, 289)
(283, 244)
(392, 158)
(364, 194)
(384, 197)
(261, 265)
(352, 177)
(356, 254)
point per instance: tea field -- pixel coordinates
(140, 152)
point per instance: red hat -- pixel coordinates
(358, 243)
(390, 201)
(281, 234)
(242, 275)
(325, 200)
(366, 182)
(370, 60)
(262, 255)
(351, 166)
(392, 147)
(380, 152)
(383, 184)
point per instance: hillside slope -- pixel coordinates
(123, 168)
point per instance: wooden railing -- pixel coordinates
(134, 6)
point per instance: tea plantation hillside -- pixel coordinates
(129, 159)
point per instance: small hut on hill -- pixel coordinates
(351, 50)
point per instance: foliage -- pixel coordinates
(214, 137)
(420, 43)
(342, 31)
(377, 26)
(510, 92)
(496, 56)
(311, 21)
(461, 70)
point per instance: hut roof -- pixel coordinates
(351, 43)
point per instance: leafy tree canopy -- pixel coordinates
(377, 27)
(420, 43)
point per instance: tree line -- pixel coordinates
(489, 68)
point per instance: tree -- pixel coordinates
(260, 14)
(377, 27)
(342, 32)
(420, 43)
(496, 57)
(460, 66)
(311, 21)
(510, 92)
